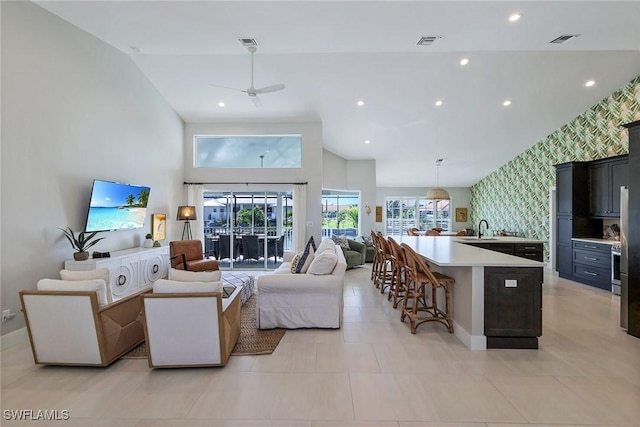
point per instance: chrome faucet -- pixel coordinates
(479, 227)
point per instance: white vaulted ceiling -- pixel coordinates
(330, 54)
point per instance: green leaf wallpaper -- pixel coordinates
(516, 196)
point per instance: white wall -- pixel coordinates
(73, 109)
(334, 171)
(310, 172)
(460, 198)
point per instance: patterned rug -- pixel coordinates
(251, 341)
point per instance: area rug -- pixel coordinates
(251, 341)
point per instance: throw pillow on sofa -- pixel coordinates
(323, 263)
(367, 240)
(164, 286)
(303, 259)
(326, 244)
(99, 273)
(294, 262)
(194, 276)
(95, 285)
(341, 241)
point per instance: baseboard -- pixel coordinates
(475, 343)
(13, 338)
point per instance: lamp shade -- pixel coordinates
(438, 194)
(187, 213)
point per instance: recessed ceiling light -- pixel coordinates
(590, 83)
(360, 103)
(515, 17)
(506, 103)
(464, 61)
(438, 102)
(366, 141)
(221, 104)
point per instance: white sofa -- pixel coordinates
(303, 300)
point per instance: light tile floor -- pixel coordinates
(371, 373)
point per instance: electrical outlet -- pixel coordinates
(7, 315)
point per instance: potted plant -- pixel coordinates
(148, 241)
(81, 243)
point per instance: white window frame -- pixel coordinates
(403, 216)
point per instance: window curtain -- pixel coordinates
(299, 216)
(195, 197)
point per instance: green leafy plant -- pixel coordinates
(83, 242)
(149, 236)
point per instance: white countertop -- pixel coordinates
(595, 240)
(451, 251)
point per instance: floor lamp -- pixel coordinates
(186, 214)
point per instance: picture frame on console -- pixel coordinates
(159, 226)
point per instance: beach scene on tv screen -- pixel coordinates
(116, 206)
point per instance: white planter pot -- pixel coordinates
(148, 243)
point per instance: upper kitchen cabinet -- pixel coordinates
(572, 188)
(605, 179)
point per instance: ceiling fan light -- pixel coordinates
(438, 194)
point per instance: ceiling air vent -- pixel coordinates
(247, 42)
(428, 40)
(564, 38)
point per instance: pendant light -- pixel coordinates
(438, 193)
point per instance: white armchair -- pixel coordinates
(190, 324)
(71, 323)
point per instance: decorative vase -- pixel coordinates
(156, 244)
(148, 243)
(81, 256)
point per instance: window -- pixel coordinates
(407, 212)
(256, 151)
(340, 212)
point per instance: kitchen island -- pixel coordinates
(497, 298)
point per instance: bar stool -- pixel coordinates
(413, 231)
(398, 287)
(384, 274)
(419, 276)
(376, 256)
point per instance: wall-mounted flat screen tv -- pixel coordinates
(117, 206)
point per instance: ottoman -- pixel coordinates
(230, 280)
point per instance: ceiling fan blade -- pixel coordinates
(227, 87)
(256, 101)
(268, 89)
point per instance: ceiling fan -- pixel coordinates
(252, 91)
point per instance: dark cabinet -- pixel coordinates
(572, 206)
(523, 250)
(592, 264)
(529, 250)
(605, 179)
(512, 307)
(572, 188)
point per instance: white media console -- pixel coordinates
(130, 269)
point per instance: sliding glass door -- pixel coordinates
(248, 230)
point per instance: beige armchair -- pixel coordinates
(189, 324)
(71, 323)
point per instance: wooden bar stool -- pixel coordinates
(398, 287)
(376, 257)
(385, 271)
(419, 276)
(382, 276)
